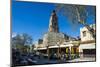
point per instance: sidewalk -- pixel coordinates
(46, 61)
(82, 59)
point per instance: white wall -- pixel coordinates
(88, 34)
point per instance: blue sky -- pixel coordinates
(33, 19)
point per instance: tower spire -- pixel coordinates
(53, 23)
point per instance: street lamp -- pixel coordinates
(59, 50)
(47, 49)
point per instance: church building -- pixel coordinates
(56, 42)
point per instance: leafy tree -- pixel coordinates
(26, 48)
(21, 40)
(77, 14)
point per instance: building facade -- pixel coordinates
(88, 44)
(56, 42)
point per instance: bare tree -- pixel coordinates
(77, 14)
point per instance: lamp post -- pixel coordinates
(59, 51)
(59, 39)
(48, 50)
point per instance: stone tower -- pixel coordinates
(53, 23)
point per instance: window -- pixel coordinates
(84, 33)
